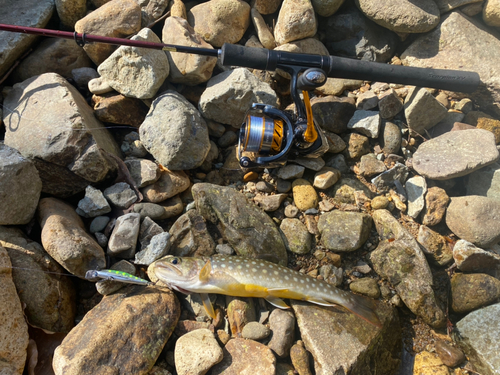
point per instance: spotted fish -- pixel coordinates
(244, 277)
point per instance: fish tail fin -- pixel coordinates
(363, 307)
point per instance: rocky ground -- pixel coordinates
(112, 157)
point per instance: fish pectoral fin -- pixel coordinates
(320, 301)
(207, 304)
(205, 272)
(278, 302)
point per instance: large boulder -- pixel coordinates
(50, 123)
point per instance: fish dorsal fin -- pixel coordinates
(278, 302)
(205, 272)
(207, 304)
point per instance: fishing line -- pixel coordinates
(34, 269)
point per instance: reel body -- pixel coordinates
(269, 136)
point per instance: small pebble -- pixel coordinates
(98, 224)
(311, 211)
(283, 186)
(224, 249)
(449, 355)
(255, 331)
(250, 176)
(291, 211)
(264, 187)
(300, 358)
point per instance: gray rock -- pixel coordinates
(152, 10)
(472, 291)
(13, 45)
(326, 177)
(366, 286)
(338, 162)
(264, 187)
(402, 16)
(358, 37)
(336, 143)
(291, 171)
(220, 21)
(229, 138)
(344, 191)
(447, 5)
(249, 230)
(147, 231)
(70, 148)
(366, 101)
(101, 239)
(416, 187)
(436, 201)
(369, 165)
(485, 182)
(464, 41)
(120, 195)
(282, 324)
(255, 331)
(59, 56)
(190, 236)
(470, 258)
(422, 110)
(196, 352)
(66, 240)
(245, 356)
(98, 224)
(333, 113)
(482, 227)
(389, 104)
(344, 231)
(157, 248)
(283, 186)
(186, 68)
(478, 335)
(117, 19)
(385, 180)
(167, 186)
(291, 211)
(399, 259)
(296, 20)
(264, 34)
(136, 72)
(82, 76)
(93, 204)
(358, 346)
(326, 8)
(447, 124)
(123, 239)
(175, 133)
(296, 236)
(144, 172)
(491, 14)
(270, 203)
(238, 83)
(38, 278)
(156, 312)
(99, 86)
(14, 329)
(224, 249)
(20, 187)
(357, 145)
(314, 164)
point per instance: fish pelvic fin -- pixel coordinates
(205, 272)
(278, 302)
(207, 304)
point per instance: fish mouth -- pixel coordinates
(169, 267)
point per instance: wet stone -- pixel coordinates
(450, 355)
(94, 204)
(120, 195)
(282, 325)
(123, 239)
(255, 331)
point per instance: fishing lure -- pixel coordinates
(114, 275)
(244, 277)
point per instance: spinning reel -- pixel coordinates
(269, 136)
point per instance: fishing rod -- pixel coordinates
(269, 136)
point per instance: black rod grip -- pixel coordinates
(339, 67)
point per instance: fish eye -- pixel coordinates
(176, 261)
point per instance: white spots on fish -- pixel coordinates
(276, 272)
(239, 267)
(254, 269)
(287, 278)
(264, 271)
(223, 265)
(302, 281)
(295, 279)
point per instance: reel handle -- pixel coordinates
(340, 67)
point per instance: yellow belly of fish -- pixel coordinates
(247, 290)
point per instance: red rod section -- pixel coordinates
(88, 38)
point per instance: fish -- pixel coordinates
(114, 275)
(244, 277)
